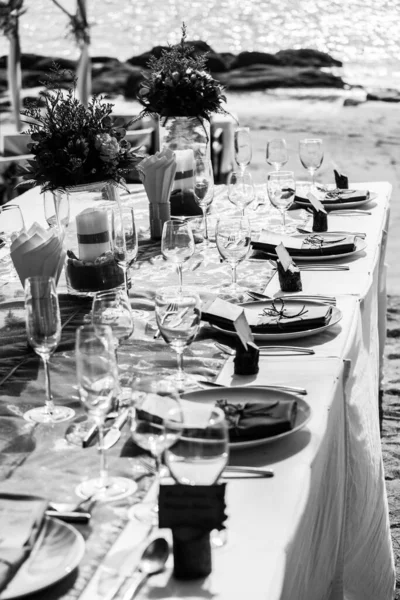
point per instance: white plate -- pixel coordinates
(253, 394)
(289, 335)
(360, 245)
(340, 205)
(59, 553)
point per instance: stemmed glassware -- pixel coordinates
(97, 377)
(177, 244)
(311, 154)
(276, 153)
(242, 146)
(281, 187)
(204, 190)
(11, 225)
(233, 236)
(241, 190)
(153, 401)
(178, 317)
(56, 209)
(43, 328)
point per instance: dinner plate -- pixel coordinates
(287, 335)
(305, 203)
(236, 395)
(360, 245)
(53, 557)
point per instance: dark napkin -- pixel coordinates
(255, 420)
(344, 245)
(339, 196)
(21, 519)
(292, 318)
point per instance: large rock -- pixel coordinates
(216, 63)
(112, 80)
(261, 77)
(245, 59)
(383, 95)
(306, 57)
(142, 59)
(132, 84)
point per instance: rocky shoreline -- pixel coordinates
(247, 71)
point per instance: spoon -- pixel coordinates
(151, 562)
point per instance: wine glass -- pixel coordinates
(97, 377)
(204, 190)
(178, 317)
(153, 401)
(233, 236)
(124, 238)
(277, 154)
(43, 328)
(241, 190)
(56, 209)
(242, 146)
(11, 225)
(311, 155)
(281, 187)
(177, 244)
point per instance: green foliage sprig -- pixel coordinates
(179, 85)
(10, 12)
(74, 145)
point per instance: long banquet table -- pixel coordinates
(319, 528)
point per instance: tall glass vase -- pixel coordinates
(94, 261)
(189, 138)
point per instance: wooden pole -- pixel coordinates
(14, 77)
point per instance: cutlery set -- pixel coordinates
(270, 350)
(300, 297)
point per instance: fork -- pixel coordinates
(318, 267)
(328, 233)
(268, 350)
(324, 299)
(228, 469)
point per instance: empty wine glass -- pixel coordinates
(153, 402)
(281, 187)
(311, 155)
(204, 190)
(124, 238)
(97, 377)
(233, 236)
(277, 154)
(178, 317)
(241, 190)
(177, 244)
(242, 146)
(43, 328)
(111, 307)
(11, 225)
(56, 209)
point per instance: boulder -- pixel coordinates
(384, 95)
(143, 59)
(275, 76)
(46, 63)
(245, 59)
(112, 80)
(132, 83)
(306, 57)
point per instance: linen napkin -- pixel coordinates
(339, 196)
(21, 519)
(37, 252)
(281, 317)
(255, 420)
(304, 245)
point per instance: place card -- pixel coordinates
(223, 312)
(284, 256)
(316, 204)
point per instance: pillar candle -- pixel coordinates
(93, 233)
(184, 176)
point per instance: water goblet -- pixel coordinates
(97, 377)
(177, 244)
(233, 236)
(241, 190)
(204, 190)
(11, 225)
(56, 209)
(276, 153)
(242, 146)
(152, 403)
(178, 317)
(311, 156)
(43, 328)
(281, 187)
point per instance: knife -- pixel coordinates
(114, 433)
(277, 387)
(70, 516)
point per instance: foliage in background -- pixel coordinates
(10, 12)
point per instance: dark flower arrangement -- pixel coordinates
(74, 145)
(178, 85)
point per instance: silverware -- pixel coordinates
(321, 267)
(351, 213)
(114, 433)
(152, 561)
(328, 233)
(233, 469)
(70, 516)
(277, 387)
(269, 350)
(300, 297)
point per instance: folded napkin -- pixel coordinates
(21, 519)
(37, 252)
(341, 180)
(304, 245)
(338, 196)
(255, 420)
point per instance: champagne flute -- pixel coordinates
(96, 372)
(178, 317)
(281, 187)
(233, 236)
(311, 156)
(242, 146)
(241, 190)
(124, 238)
(177, 244)
(56, 209)
(277, 154)
(11, 225)
(204, 190)
(43, 328)
(152, 402)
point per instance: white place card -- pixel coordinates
(316, 203)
